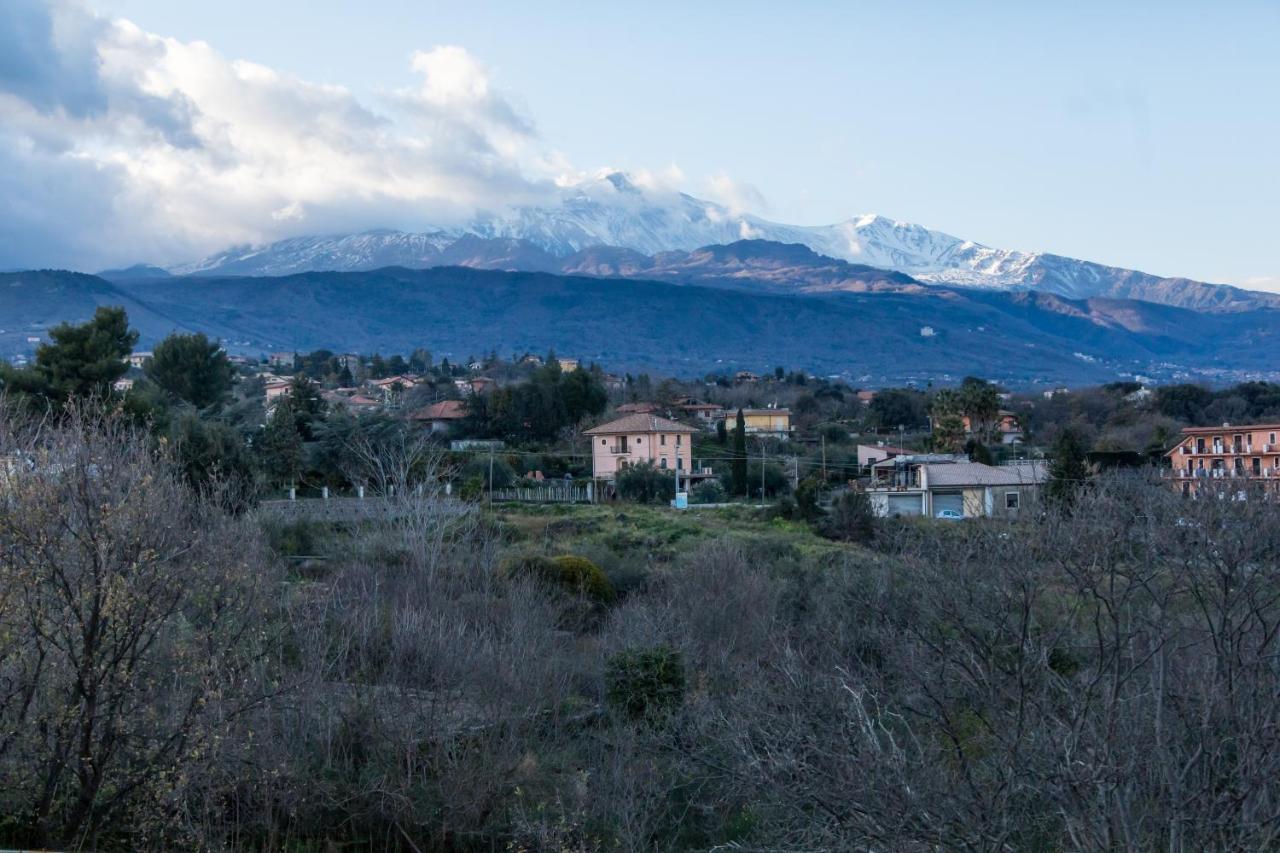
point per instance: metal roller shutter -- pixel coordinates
(948, 500)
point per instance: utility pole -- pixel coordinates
(824, 457)
(762, 455)
(490, 476)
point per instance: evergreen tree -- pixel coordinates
(583, 393)
(307, 406)
(82, 361)
(1069, 470)
(280, 448)
(193, 369)
(978, 452)
(740, 456)
(209, 452)
(722, 433)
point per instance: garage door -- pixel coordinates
(948, 500)
(905, 505)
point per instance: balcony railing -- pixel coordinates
(1224, 474)
(619, 449)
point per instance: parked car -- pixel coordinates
(950, 515)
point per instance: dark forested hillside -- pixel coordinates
(888, 337)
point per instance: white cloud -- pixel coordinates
(739, 197)
(118, 145)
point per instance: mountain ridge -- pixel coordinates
(611, 211)
(872, 337)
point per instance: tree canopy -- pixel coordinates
(192, 368)
(82, 360)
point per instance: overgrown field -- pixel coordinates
(453, 677)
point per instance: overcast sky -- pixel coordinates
(1146, 136)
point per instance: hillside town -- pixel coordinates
(526, 426)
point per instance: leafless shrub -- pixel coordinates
(131, 641)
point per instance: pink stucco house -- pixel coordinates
(637, 438)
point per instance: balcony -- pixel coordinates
(619, 449)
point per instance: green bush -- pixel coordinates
(645, 684)
(580, 575)
(573, 573)
(646, 484)
(807, 495)
(708, 492)
(851, 518)
(472, 490)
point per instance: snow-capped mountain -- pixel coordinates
(613, 211)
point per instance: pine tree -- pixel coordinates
(192, 368)
(740, 456)
(82, 361)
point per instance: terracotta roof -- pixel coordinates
(1226, 428)
(640, 423)
(445, 410)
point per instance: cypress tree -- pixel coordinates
(1069, 469)
(740, 456)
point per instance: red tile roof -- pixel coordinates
(640, 423)
(445, 410)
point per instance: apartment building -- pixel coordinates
(1227, 452)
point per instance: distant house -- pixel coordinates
(567, 365)
(440, 417)
(763, 422)
(865, 397)
(122, 385)
(870, 454)
(392, 388)
(951, 486)
(475, 385)
(706, 414)
(1007, 427)
(351, 400)
(636, 438)
(138, 359)
(277, 389)
(613, 383)
(404, 380)
(282, 359)
(745, 377)
(532, 360)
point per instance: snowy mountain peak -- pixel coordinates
(610, 209)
